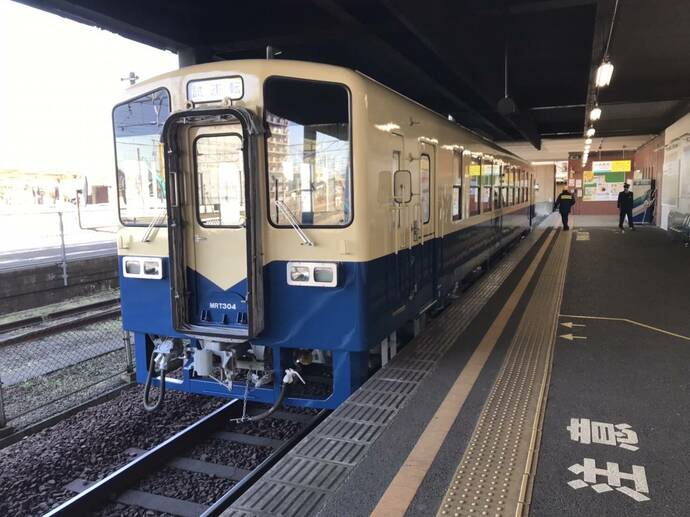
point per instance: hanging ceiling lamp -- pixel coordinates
(604, 73)
(595, 114)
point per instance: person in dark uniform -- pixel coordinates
(564, 202)
(625, 206)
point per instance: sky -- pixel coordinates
(59, 80)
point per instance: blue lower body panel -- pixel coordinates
(372, 300)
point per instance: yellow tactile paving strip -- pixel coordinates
(400, 492)
(493, 477)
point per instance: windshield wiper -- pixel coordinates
(154, 222)
(280, 205)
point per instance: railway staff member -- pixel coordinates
(564, 203)
(625, 206)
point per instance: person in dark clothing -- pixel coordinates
(564, 202)
(625, 206)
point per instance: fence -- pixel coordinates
(45, 376)
(41, 227)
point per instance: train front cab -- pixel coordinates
(224, 265)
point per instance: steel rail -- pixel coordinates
(61, 326)
(242, 486)
(105, 490)
(13, 325)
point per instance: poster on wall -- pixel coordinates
(605, 180)
(644, 199)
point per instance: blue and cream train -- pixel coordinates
(283, 219)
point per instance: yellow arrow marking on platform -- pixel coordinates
(626, 320)
(570, 337)
(570, 324)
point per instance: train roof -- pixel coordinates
(287, 67)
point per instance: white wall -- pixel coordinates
(675, 192)
(544, 198)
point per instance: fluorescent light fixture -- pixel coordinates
(604, 73)
(588, 141)
(595, 114)
(590, 131)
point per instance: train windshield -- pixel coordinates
(309, 157)
(137, 125)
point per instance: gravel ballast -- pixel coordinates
(89, 445)
(93, 444)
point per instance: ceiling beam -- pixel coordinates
(536, 7)
(521, 121)
(297, 38)
(337, 11)
(97, 18)
(602, 25)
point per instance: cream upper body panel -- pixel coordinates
(370, 234)
(392, 120)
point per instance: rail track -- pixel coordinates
(38, 326)
(126, 486)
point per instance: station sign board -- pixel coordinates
(611, 166)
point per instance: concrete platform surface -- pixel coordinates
(615, 436)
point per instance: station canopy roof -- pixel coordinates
(449, 55)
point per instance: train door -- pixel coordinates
(217, 238)
(212, 165)
(402, 209)
(425, 256)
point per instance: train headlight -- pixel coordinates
(299, 274)
(312, 274)
(142, 267)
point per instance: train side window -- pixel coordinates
(516, 187)
(499, 191)
(396, 161)
(487, 185)
(523, 184)
(219, 163)
(309, 152)
(475, 180)
(425, 187)
(457, 187)
(402, 187)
